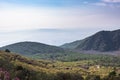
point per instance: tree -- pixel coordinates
(113, 73)
(7, 50)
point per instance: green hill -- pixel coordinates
(16, 67)
(101, 41)
(31, 48)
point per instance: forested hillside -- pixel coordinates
(16, 67)
(101, 41)
(31, 48)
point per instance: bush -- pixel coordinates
(93, 77)
(68, 76)
(7, 50)
(111, 74)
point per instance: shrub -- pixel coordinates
(93, 77)
(113, 73)
(69, 76)
(7, 50)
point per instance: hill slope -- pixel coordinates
(16, 67)
(27, 48)
(101, 41)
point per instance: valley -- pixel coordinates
(92, 66)
(38, 61)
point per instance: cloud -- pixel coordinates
(99, 4)
(85, 20)
(108, 3)
(19, 17)
(111, 1)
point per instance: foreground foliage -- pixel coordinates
(16, 67)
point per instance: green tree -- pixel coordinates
(111, 74)
(7, 50)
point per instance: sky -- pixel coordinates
(56, 22)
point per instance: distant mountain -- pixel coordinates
(102, 41)
(27, 48)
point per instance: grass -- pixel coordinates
(84, 67)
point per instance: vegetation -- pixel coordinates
(21, 68)
(101, 41)
(30, 48)
(7, 50)
(45, 62)
(97, 59)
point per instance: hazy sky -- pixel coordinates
(60, 20)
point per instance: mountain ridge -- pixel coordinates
(29, 47)
(101, 41)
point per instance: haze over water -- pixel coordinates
(56, 22)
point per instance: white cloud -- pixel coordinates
(112, 1)
(20, 17)
(16, 17)
(108, 3)
(99, 4)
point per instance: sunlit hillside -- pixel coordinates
(27, 69)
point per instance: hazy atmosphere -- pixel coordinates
(56, 21)
(59, 39)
